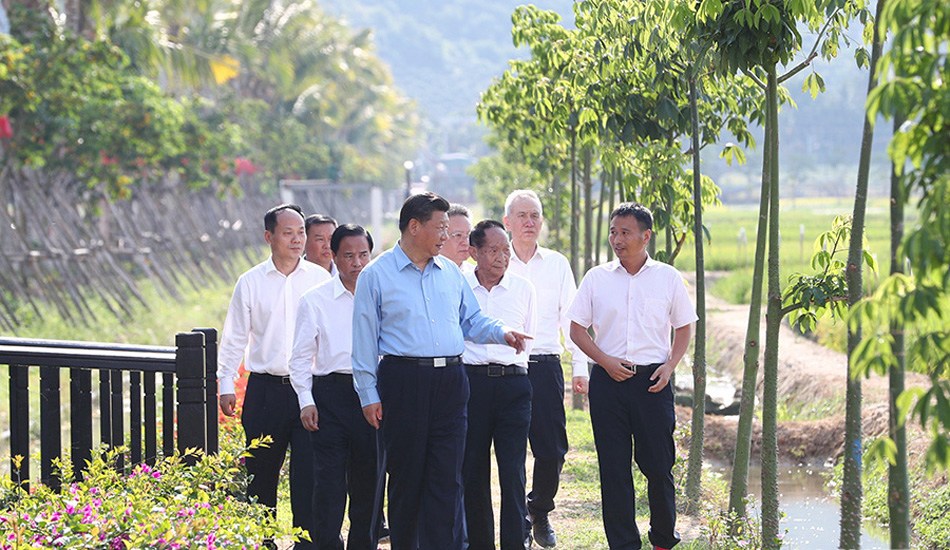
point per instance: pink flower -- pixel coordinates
(244, 165)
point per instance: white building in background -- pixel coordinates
(4, 21)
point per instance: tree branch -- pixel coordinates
(754, 78)
(792, 307)
(812, 54)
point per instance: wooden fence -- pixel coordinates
(189, 398)
(67, 246)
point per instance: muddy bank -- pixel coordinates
(810, 442)
(812, 384)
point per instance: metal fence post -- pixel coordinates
(211, 387)
(189, 378)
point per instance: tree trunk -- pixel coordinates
(605, 182)
(695, 467)
(555, 219)
(740, 464)
(575, 210)
(668, 233)
(588, 210)
(898, 491)
(851, 483)
(773, 320)
(615, 186)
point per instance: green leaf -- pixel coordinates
(882, 449)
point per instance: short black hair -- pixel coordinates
(270, 218)
(458, 210)
(349, 230)
(420, 207)
(477, 237)
(317, 219)
(641, 213)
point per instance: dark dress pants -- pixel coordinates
(344, 450)
(548, 433)
(423, 432)
(619, 410)
(499, 412)
(270, 408)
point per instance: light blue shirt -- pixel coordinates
(400, 310)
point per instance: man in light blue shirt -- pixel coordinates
(414, 309)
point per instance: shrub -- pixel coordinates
(169, 506)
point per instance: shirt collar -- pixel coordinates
(539, 252)
(338, 288)
(614, 265)
(302, 265)
(402, 260)
(503, 283)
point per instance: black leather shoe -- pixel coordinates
(543, 532)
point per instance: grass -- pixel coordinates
(577, 518)
(154, 325)
(732, 232)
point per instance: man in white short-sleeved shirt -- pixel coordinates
(499, 404)
(550, 273)
(633, 303)
(321, 372)
(259, 329)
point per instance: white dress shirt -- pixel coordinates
(259, 327)
(323, 337)
(513, 302)
(632, 314)
(551, 275)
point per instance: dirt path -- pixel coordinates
(812, 381)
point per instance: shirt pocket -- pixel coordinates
(655, 313)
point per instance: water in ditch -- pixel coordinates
(811, 513)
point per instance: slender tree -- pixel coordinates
(851, 487)
(898, 485)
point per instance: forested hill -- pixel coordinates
(443, 53)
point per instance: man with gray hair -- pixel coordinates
(551, 274)
(456, 248)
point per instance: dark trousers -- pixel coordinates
(270, 408)
(499, 412)
(344, 451)
(548, 433)
(619, 410)
(423, 432)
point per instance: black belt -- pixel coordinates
(271, 378)
(426, 361)
(638, 368)
(335, 377)
(493, 370)
(544, 357)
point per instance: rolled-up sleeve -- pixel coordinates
(304, 351)
(580, 311)
(365, 354)
(234, 338)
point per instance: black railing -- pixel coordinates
(189, 388)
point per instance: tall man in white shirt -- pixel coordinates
(456, 247)
(499, 407)
(319, 231)
(551, 275)
(259, 329)
(632, 303)
(321, 371)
